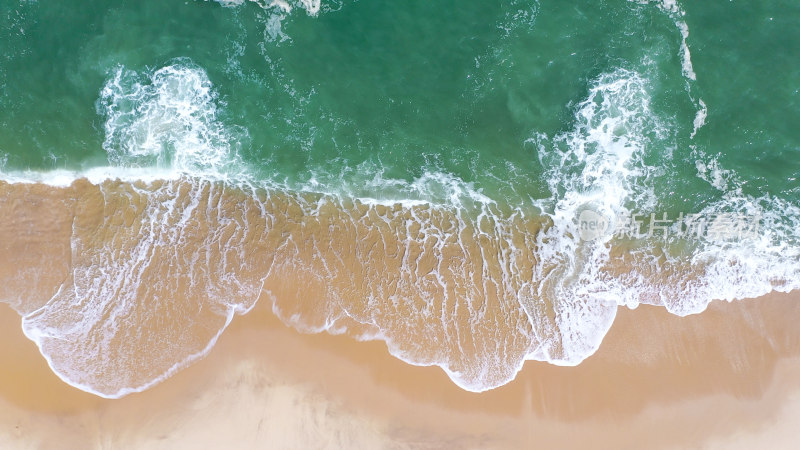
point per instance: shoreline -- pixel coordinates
(674, 381)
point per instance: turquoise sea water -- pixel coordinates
(404, 87)
(543, 108)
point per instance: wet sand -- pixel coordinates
(727, 378)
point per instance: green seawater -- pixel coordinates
(403, 88)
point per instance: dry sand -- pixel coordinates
(727, 378)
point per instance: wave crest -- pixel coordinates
(167, 119)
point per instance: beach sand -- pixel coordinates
(727, 378)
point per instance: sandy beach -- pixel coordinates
(727, 378)
(341, 224)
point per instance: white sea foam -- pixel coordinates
(767, 260)
(311, 7)
(167, 119)
(598, 165)
(599, 168)
(101, 331)
(95, 175)
(159, 125)
(369, 184)
(709, 170)
(699, 118)
(275, 12)
(68, 377)
(676, 13)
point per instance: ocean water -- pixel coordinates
(476, 183)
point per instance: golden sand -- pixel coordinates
(146, 275)
(725, 378)
(178, 274)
